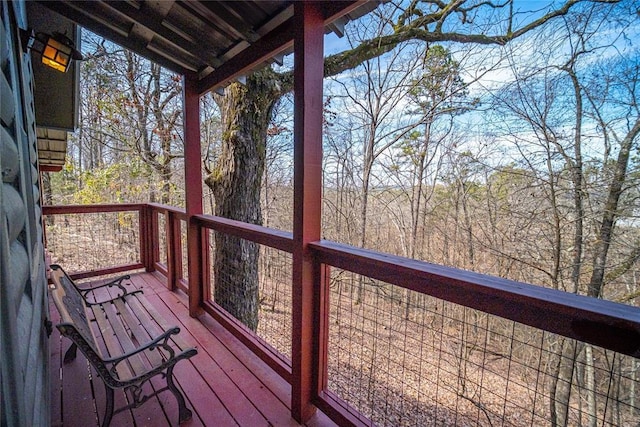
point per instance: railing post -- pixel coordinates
(193, 188)
(143, 239)
(174, 249)
(154, 238)
(147, 237)
(205, 262)
(308, 103)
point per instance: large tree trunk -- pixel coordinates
(235, 181)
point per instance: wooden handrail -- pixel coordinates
(278, 239)
(603, 323)
(78, 209)
(180, 212)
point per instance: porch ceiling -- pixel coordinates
(52, 149)
(213, 41)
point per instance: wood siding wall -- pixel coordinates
(23, 285)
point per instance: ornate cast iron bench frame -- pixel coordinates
(133, 368)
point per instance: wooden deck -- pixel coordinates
(225, 384)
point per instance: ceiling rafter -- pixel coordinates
(224, 21)
(275, 42)
(145, 17)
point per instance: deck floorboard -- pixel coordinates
(225, 384)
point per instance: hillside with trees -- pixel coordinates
(496, 138)
(518, 160)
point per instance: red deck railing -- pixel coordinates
(167, 244)
(400, 341)
(272, 242)
(95, 240)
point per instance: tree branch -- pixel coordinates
(418, 30)
(625, 265)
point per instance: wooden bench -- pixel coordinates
(122, 337)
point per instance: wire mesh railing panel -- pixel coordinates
(93, 241)
(275, 299)
(402, 358)
(252, 282)
(162, 237)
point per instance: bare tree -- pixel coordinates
(551, 101)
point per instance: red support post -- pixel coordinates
(154, 238)
(193, 189)
(147, 238)
(308, 102)
(174, 249)
(143, 239)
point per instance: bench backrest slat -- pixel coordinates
(71, 306)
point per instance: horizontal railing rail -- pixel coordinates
(604, 323)
(278, 239)
(158, 207)
(79, 209)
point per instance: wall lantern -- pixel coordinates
(57, 50)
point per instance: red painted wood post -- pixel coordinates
(147, 238)
(154, 238)
(193, 189)
(173, 249)
(177, 249)
(143, 238)
(308, 75)
(205, 263)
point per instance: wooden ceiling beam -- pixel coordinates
(278, 40)
(227, 23)
(176, 38)
(332, 10)
(271, 44)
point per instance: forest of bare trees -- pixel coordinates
(512, 151)
(478, 157)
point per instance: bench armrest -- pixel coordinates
(160, 341)
(185, 354)
(115, 282)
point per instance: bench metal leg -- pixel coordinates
(184, 412)
(108, 412)
(70, 354)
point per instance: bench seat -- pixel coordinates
(122, 337)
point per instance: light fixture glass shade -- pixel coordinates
(57, 50)
(56, 55)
